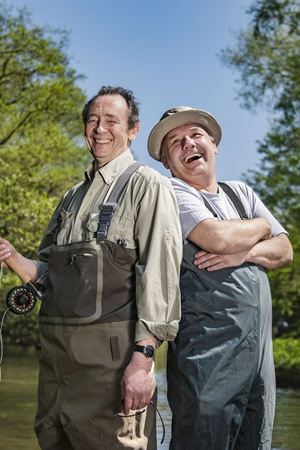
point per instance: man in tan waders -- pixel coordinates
(221, 383)
(109, 266)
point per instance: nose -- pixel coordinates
(188, 143)
(100, 126)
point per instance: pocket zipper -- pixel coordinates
(74, 255)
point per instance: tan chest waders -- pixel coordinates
(87, 328)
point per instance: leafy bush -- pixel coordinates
(287, 362)
(287, 353)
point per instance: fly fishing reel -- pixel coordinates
(21, 300)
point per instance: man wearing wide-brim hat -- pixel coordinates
(221, 381)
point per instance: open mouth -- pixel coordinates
(103, 141)
(191, 158)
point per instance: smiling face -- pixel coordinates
(189, 152)
(106, 132)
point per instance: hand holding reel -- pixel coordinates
(21, 299)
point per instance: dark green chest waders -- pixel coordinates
(87, 328)
(220, 370)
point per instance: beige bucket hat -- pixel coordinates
(176, 117)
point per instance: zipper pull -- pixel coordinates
(122, 242)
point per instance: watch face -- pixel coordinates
(148, 351)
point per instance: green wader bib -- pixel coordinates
(221, 381)
(87, 329)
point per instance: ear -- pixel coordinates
(133, 132)
(164, 161)
(213, 141)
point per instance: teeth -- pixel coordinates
(194, 156)
(103, 141)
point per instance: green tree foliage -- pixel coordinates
(287, 362)
(267, 56)
(41, 133)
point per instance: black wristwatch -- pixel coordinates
(147, 350)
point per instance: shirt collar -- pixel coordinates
(110, 171)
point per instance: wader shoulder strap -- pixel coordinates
(233, 197)
(209, 207)
(109, 206)
(235, 200)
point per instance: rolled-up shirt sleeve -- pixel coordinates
(42, 268)
(158, 234)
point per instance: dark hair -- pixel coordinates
(133, 109)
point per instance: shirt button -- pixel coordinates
(74, 240)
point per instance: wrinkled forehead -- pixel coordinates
(113, 104)
(182, 130)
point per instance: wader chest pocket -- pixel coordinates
(73, 290)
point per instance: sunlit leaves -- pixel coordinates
(267, 57)
(42, 151)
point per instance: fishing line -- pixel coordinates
(1, 273)
(20, 300)
(1, 342)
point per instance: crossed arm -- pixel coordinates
(230, 243)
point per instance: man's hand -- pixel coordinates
(136, 384)
(6, 251)
(137, 381)
(213, 261)
(25, 264)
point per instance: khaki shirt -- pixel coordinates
(146, 218)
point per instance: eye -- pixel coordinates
(92, 121)
(175, 142)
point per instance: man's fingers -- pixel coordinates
(127, 405)
(200, 253)
(135, 403)
(203, 263)
(205, 257)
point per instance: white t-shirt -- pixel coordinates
(193, 210)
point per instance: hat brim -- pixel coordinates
(190, 116)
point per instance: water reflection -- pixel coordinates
(18, 393)
(18, 404)
(286, 435)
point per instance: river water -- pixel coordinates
(18, 387)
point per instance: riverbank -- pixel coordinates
(287, 362)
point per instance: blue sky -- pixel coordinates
(166, 51)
